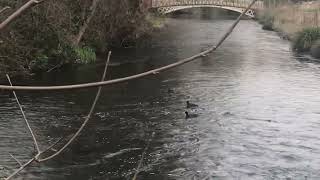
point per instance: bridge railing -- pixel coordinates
(230, 3)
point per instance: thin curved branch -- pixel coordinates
(50, 147)
(20, 164)
(142, 158)
(19, 12)
(84, 27)
(137, 76)
(35, 142)
(21, 168)
(4, 9)
(86, 120)
(37, 157)
(103, 83)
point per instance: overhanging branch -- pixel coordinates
(37, 158)
(19, 12)
(4, 9)
(137, 76)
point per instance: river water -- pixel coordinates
(258, 115)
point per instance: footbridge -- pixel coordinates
(168, 6)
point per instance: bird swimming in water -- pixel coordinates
(191, 105)
(227, 114)
(170, 91)
(190, 115)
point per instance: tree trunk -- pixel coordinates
(84, 27)
(19, 12)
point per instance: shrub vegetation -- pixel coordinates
(267, 20)
(306, 38)
(315, 49)
(44, 36)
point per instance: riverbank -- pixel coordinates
(296, 22)
(56, 33)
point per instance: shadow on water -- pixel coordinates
(258, 115)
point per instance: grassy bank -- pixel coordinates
(297, 22)
(45, 37)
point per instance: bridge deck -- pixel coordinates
(230, 3)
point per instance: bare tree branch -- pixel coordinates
(4, 9)
(137, 76)
(142, 158)
(50, 147)
(20, 164)
(37, 157)
(18, 12)
(86, 120)
(103, 83)
(20, 169)
(83, 29)
(25, 118)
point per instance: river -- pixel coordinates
(258, 115)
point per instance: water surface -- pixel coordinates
(258, 117)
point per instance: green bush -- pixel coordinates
(306, 38)
(267, 20)
(84, 55)
(43, 37)
(40, 62)
(69, 54)
(63, 54)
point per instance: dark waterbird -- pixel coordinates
(191, 105)
(170, 91)
(190, 115)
